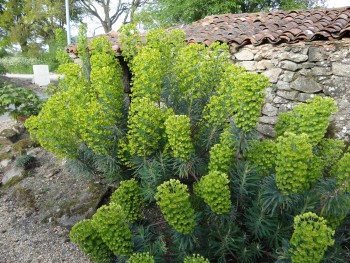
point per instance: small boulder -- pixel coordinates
(4, 143)
(9, 134)
(21, 146)
(11, 173)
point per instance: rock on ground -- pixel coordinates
(39, 207)
(37, 213)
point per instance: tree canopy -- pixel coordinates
(163, 13)
(112, 11)
(28, 23)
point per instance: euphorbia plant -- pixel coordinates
(193, 181)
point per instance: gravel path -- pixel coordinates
(25, 235)
(24, 239)
(29, 231)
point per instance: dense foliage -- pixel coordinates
(140, 258)
(111, 223)
(128, 196)
(85, 234)
(18, 101)
(310, 238)
(31, 24)
(173, 200)
(194, 183)
(168, 12)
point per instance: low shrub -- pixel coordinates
(18, 101)
(26, 162)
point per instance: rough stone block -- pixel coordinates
(300, 50)
(264, 64)
(266, 129)
(305, 72)
(248, 65)
(268, 120)
(289, 65)
(321, 71)
(295, 57)
(273, 74)
(304, 96)
(9, 134)
(306, 85)
(269, 110)
(286, 107)
(269, 95)
(315, 54)
(306, 65)
(289, 95)
(323, 64)
(340, 69)
(282, 85)
(288, 76)
(279, 100)
(336, 86)
(11, 173)
(244, 54)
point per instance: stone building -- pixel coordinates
(303, 53)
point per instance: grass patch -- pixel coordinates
(19, 64)
(14, 180)
(5, 156)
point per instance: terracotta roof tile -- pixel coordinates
(273, 27)
(259, 28)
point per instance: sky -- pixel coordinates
(95, 29)
(338, 3)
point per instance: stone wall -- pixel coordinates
(298, 72)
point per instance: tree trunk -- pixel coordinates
(106, 27)
(24, 47)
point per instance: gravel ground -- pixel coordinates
(29, 231)
(24, 239)
(24, 235)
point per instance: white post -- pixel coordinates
(68, 22)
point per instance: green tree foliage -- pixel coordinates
(263, 155)
(90, 242)
(112, 226)
(173, 200)
(109, 12)
(23, 22)
(330, 150)
(140, 258)
(342, 172)
(293, 155)
(178, 131)
(311, 118)
(215, 191)
(89, 112)
(310, 238)
(185, 148)
(160, 13)
(223, 153)
(128, 196)
(196, 258)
